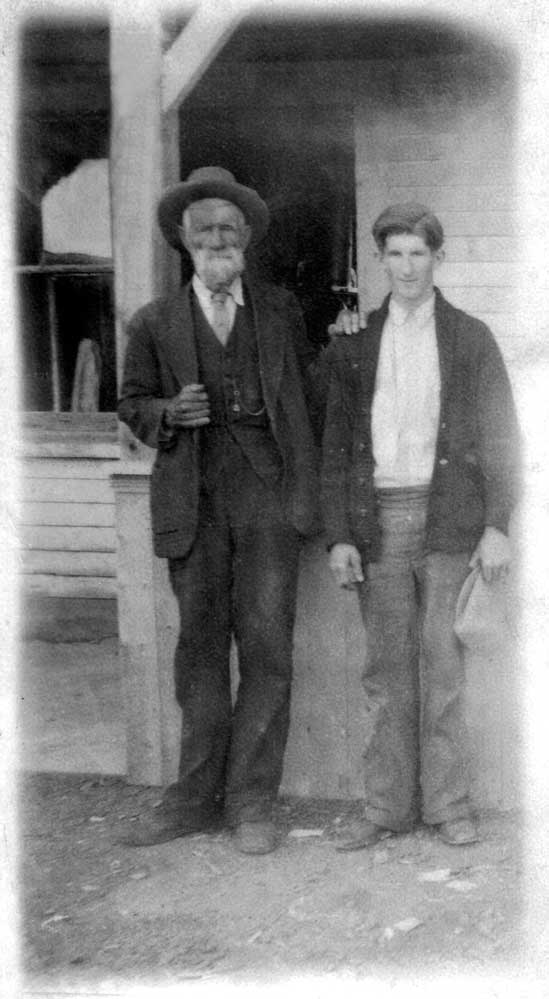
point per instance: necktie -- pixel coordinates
(221, 319)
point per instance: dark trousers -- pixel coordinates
(414, 678)
(240, 579)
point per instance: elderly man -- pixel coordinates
(213, 380)
(419, 480)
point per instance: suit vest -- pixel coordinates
(238, 417)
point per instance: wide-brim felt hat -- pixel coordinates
(210, 182)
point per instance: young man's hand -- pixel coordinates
(346, 565)
(492, 555)
(190, 408)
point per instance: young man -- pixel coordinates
(213, 380)
(420, 476)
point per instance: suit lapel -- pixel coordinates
(444, 327)
(177, 339)
(370, 350)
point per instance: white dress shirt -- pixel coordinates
(204, 296)
(406, 404)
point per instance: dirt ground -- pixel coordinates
(96, 915)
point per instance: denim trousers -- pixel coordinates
(238, 582)
(414, 677)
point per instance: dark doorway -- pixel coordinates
(301, 161)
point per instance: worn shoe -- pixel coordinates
(359, 834)
(255, 837)
(458, 832)
(159, 826)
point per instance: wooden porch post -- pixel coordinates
(143, 160)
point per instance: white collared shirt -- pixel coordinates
(406, 404)
(204, 296)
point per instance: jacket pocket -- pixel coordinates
(174, 492)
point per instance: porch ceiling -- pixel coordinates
(64, 93)
(302, 37)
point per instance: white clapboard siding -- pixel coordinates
(422, 175)
(71, 468)
(480, 300)
(68, 538)
(483, 274)
(68, 563)
(418, 146)
(85, 448)
(465, 198)
(66, 516)
(67, 490)
(481, 223)
(482, 249)
(83, 587)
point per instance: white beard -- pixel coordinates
(217, 269)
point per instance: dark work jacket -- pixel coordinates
(475, 477)
(161, 358)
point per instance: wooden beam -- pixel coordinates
(196, 47)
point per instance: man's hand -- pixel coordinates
(188, 409)
(492, 554)
(346, 565)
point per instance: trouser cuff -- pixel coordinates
(252, 811)
(176, 801)
(450, 813)
(386, 821)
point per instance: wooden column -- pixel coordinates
(148, 626)
(143, 161)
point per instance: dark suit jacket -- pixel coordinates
(476, 472)
(161, 358)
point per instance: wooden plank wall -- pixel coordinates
(66, 526)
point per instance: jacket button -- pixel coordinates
(362, 480)
(443, 461)
(443, 425)
(362, 446)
